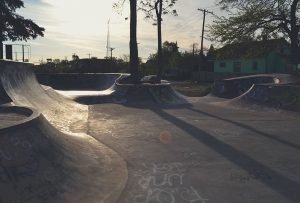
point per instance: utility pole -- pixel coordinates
(203, 25)
(205, 12)
(193, 49)
(111, 58)
(111, 53)
(89, 55)
(1, 49)
(23, 56)
(108, 48)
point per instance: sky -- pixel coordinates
(80, 27)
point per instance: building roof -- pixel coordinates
(247, 50)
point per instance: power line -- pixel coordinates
(191, 20)
(184, 24)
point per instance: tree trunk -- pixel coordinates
(134, 56)
(295, 49)
(1, 49)
(1, 41)
(159, 50)
(158, 8)
(295, 33)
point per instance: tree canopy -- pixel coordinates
(258, 20)
(15, 27)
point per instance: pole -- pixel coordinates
(193, 49)
(1, 49)
(108, 39)
(205, 12)
(111, 58)
(202, 36)
(111, 53)
(23, 54)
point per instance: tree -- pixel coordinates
(170, 46)
(56, 61)
(154, 9)
(134, 54)
(75, 57)
(15, 27)
(258, 19)
(169, 62)
(211, 53)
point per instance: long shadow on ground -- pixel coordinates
(247, 127)
(283, 185)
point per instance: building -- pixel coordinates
(267, 56)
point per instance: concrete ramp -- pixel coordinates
(4, 98)
(122, 92)
(130, 93)
(40, 164)
(234, 87)
(49, 157)
(269, 97)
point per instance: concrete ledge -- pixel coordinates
(30, 113)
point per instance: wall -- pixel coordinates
(277, 64)
(205, 76)
(78, 81)
(246, 66)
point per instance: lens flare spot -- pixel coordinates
(165, 137)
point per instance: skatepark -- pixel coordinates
(99, 139)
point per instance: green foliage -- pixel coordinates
(15, 27)
(211, 54)
(259, 20)
(250, 50)
(176, 65)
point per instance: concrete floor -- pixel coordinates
(201, 153)
(143, 152)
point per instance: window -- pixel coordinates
(223, 65)
(237, 67)
(255, 65)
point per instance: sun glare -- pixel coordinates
(76, 18)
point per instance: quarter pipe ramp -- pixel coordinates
(43, 163)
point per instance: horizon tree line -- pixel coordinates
(252, 20)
